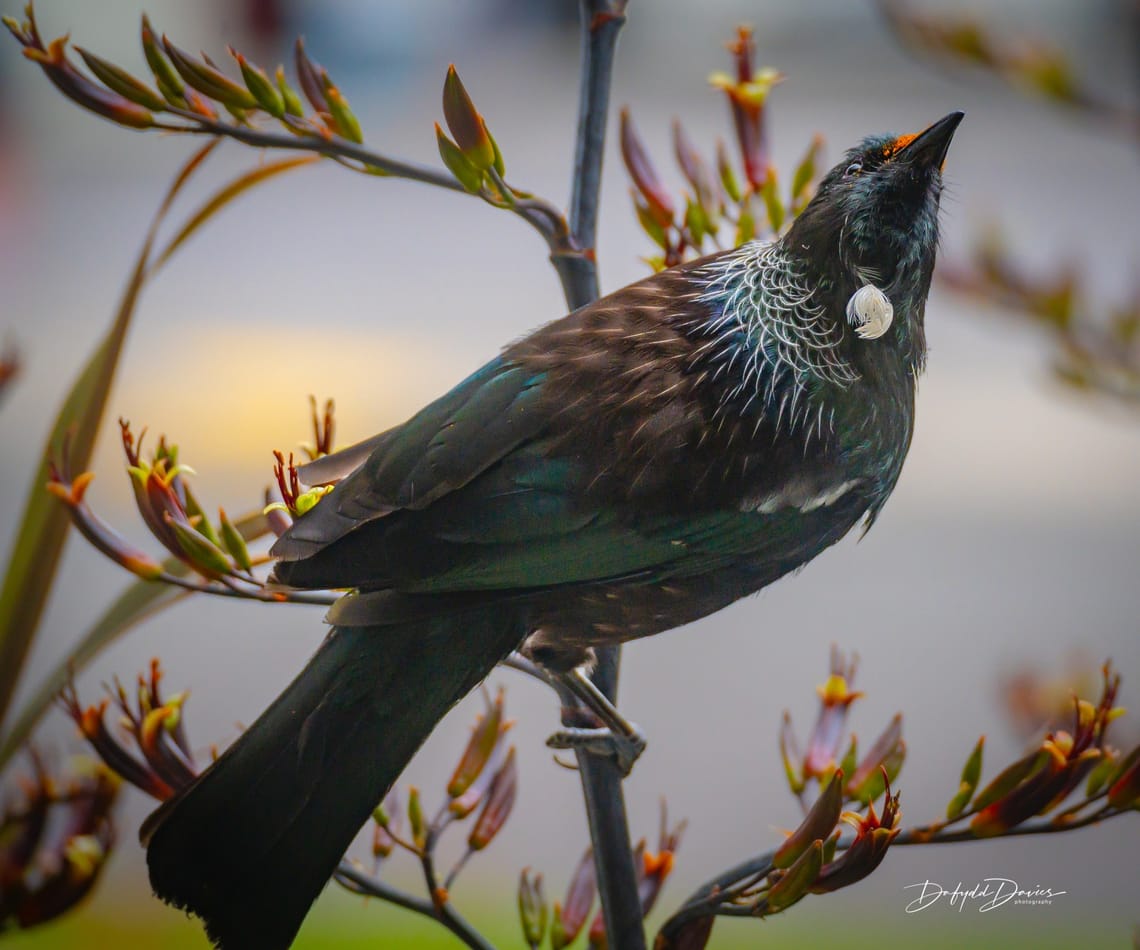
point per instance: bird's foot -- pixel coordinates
(624, 746)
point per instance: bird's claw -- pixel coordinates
(624, 748)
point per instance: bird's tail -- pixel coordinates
(249, 846)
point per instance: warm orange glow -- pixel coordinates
(898, 144)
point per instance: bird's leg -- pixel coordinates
(618, 738)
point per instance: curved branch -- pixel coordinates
(539, 214)
(358, 882)
(711, 896)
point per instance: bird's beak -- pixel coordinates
(929, 147)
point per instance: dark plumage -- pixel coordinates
(622, 471)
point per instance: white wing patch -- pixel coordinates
(800, 497)
(870, 312)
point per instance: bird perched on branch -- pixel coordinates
(636, 465)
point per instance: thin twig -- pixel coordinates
(539, 214)
(707, 898)
(919, 836)
(264, 595)
(355, 880)
(332, 146)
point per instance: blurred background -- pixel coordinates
(1012, 543)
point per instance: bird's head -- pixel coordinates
(876, 212)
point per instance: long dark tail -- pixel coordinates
(249, 846)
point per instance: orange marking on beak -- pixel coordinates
(898, 144)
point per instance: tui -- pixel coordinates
(636, 465)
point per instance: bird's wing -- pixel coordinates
(439, 449)
(530, 521)
(591, 450)
(330, 469)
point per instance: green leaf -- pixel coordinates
(138, 602)
(43, 530)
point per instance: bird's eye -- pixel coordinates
(853, 169)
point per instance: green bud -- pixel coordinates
(202, 554)
(959, 802)
(971, 772)
(165, 76)
(234, 543)
(119, 80)
(198, 517)
(465, 173)
(697, 222)
(772, 202)
(798, 880)
(887, 752)
(211, 82)
(1101, 773)
(467, 125)
(347, 125)
(817, 825)
(804, 173)
(1011, 777)
(499, 803)
(499, 165)
(558, 936)
(829, 847)
(532, 908)
(292, 102)
(789, 750)
(260, 86)
(479, 748)
(649, 223)
(1125, 789)
(850, 757)
(416, 818)
(746, 225)
(728, 178)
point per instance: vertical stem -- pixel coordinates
(601, 781)
(602, 21)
